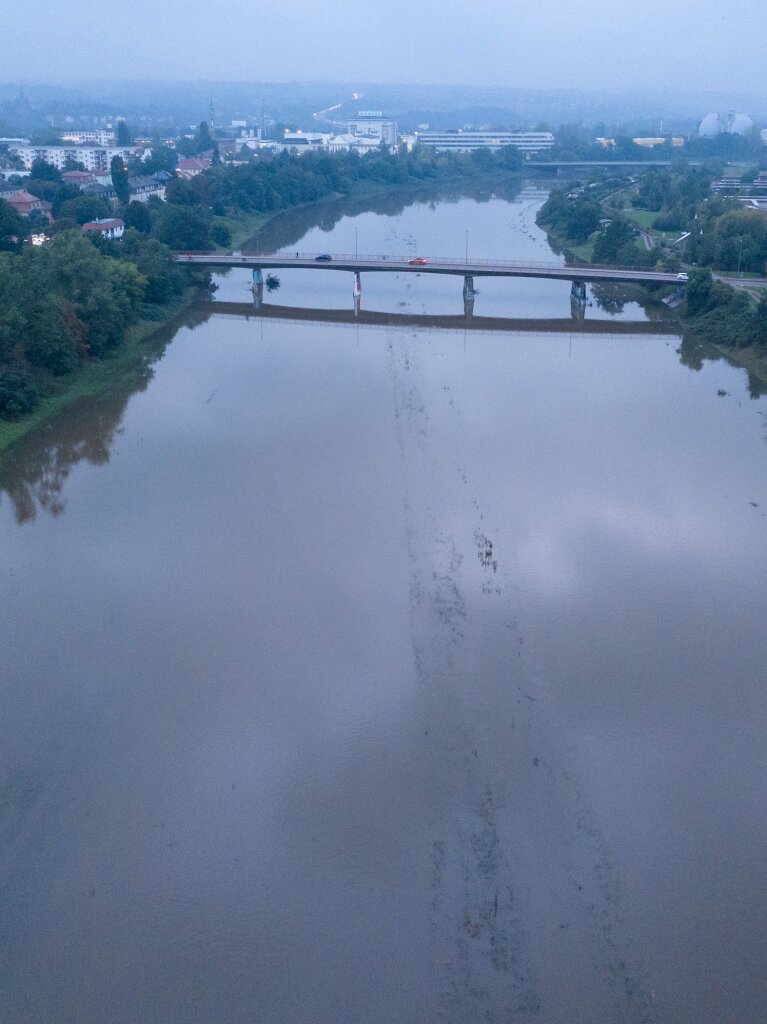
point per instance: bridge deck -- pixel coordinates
(434, 265)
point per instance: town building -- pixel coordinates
(108, 227)
(78, 178)
(101, 189)
(353, 144)
(98, 137)
(304, 141)
(25, 203)
(143, 189)
(465, 141)
(677, 141)
(91, 158)
(191, 166)
(372, 124)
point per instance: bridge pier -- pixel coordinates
(258, 288)
(468, 296)
(357, 293)
(578, 300)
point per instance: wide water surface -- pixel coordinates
(389, 675)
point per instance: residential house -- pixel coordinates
(25, 203)
(95, 188)
(191, 166)
(142, 189)
(107, 227)
(78, 178)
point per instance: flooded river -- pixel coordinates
(362, 673)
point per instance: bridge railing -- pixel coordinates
(302, 258)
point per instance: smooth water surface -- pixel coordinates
(359, 674)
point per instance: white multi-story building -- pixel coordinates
(98, 137)
(306, 140)
(464, 141)
(92, 158)
(353, 144)
(372, 124)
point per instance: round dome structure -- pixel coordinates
(740, 124)
(729, 124)
(710, 126)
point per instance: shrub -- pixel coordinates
(18, 393)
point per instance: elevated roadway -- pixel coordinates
(432, 265)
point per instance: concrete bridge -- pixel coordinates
(468, 269)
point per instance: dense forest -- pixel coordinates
(71, 300)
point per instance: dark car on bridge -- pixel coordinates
(324, 257)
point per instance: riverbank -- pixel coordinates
(752, 358)
(144, 340)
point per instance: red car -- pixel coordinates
(418, 261)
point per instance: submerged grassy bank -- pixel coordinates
(144, 340)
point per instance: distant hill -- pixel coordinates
(176, 104)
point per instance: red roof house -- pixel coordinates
(25, 203)
(107, 227)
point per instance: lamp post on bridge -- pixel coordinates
(355, 242)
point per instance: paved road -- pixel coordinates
(435, 265)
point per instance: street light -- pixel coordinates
(355, 243)
(467, 245)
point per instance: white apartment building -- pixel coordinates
(98, 137)
(92, 158)
(372, 124)
(465, 141)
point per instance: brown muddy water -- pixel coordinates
(357, 673)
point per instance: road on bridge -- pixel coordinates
(432, 265)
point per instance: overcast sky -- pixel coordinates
(679, 44)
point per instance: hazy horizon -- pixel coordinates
(687, 47)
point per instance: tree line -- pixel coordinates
(72, 300)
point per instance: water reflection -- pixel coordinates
(33, 474)
(33, 477)
(695, 354)
(289, 227)
(398, 677)
(468, 320)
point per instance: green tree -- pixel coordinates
(123, 136)
(220, 234)
(120, 179)
(137, 216)
(82, 209)
(44, 172)
(181, 227)
(761, 321)
(155, 261)
(11, 228)
(698, 292)
(18, 393)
